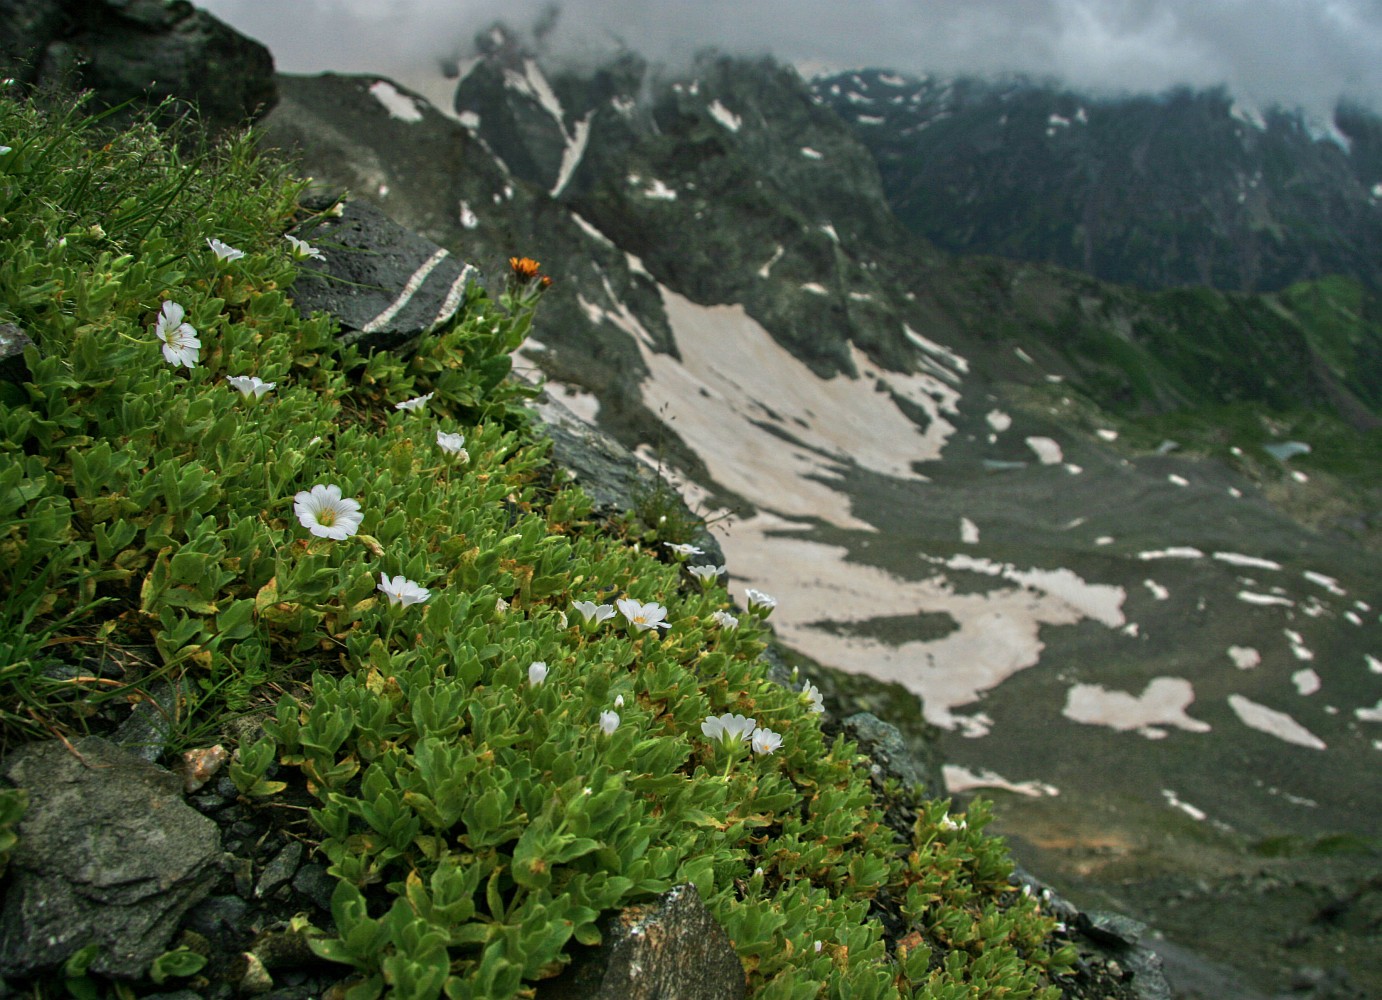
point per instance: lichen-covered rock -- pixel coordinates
(108, 854)
(670, 949)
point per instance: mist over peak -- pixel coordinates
(1302, 53)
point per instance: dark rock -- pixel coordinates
(108, 853)
(150, 724)
(384, 283)
(218, 916)
(280, 869)
(13, 341)
(882, 742)
(314, 882)
(670, 949)
(609, 473)
(145, 50)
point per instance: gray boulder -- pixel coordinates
(145, 50)
(669, 949)
(108, 854)
(384, 283)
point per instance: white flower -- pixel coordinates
(816, 947)
(758, 599)
(399, 589)
(324, 513)
(643, 616)
(302, 249)
(537, 672)
(5, 149)
(609, 721)
(731, 730)
(180, 343)
(684, 550)
(947, 823)
(706, 574)
(416, 403)
(250, 385)
(452, 444)
(812, 694)
(765, 741)
(224, 251)
(593, 613)
(725, 620)
(619, 701)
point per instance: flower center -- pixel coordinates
(326, 518)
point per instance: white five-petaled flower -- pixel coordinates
(399, 589)
(684, 550)
(643, 616)
(302, 249)
(731, 730)
(706, 574)
(758, 599)
(250, 385)
(947, 823)
(224, 251)
(537, 672)
(416, 403)
(180, 343)
(765, 741)
(452, 444)
(593, 613)
(325, 513)
(609, 721)
(812, 694)
(725, 620)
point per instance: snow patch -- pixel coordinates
(815, 288)
(1298, 645)
(1176, 480)
(1373, 714)
(1307, 682)
(399, 105)
(468, 218)
(1327, 582)
(1265, 600)
(1107, 434)
(812, 154)
(940, 351)
(1234, 559)
(998, 420)
(1175, 802)
(962, 779)
(1162, 703)
(969, 531)
(1244, 657)
(766, 269)
(1158, 591)
(1175, 552)
(1273, 723)
(1047, 450)
(725, 117)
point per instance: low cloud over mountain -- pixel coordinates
(1294, 52)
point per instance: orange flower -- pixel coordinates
(524, 268)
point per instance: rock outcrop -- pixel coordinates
(141, 50)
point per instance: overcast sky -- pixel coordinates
(1294, 52)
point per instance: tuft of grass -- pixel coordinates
(478, 824)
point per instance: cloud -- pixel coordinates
(1292, 52)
